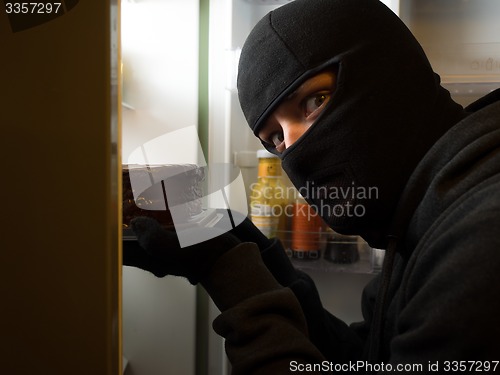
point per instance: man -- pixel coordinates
(346, 97)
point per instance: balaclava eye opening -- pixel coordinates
(387, 110)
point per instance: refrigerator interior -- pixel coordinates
(160, 83)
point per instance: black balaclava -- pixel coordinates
(387, 110)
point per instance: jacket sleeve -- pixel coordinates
(337, 341)
(262, 321)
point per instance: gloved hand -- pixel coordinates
(271, 249)
(245, 231)
(157, 250)
(248, 232)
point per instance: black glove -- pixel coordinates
(248, 232)
(157, 250)
(244, 230)
(271, 249)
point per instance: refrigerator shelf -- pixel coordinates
(345, 254)
(364, 266)
(467, 62)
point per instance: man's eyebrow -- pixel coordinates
(304, 86)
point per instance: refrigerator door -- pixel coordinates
(60, 284)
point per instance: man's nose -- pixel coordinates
(292, 132)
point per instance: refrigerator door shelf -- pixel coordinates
(465, 63)
(466, 93)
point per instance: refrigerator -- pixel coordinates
(179, 68)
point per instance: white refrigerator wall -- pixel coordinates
(160, 69)
(160, 95)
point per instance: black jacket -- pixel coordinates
(438, 297)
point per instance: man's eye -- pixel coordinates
(315, 102)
